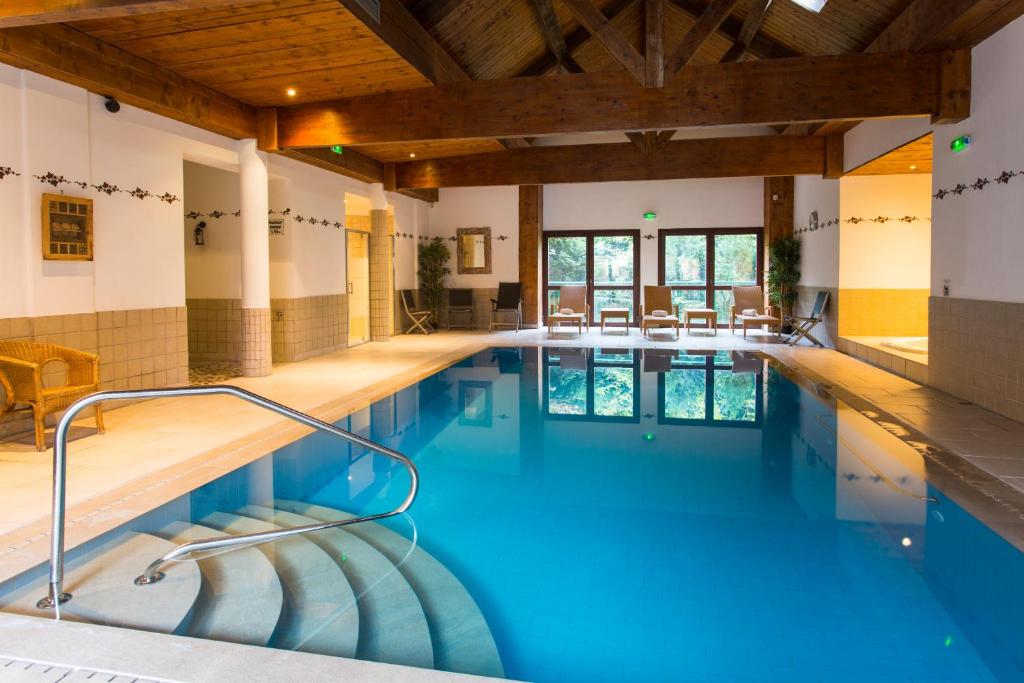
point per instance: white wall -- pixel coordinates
(873, 138)
(978, 237)
(891, 255)
(213, 270)
(480, 207)
(140, 245)
(819, 251)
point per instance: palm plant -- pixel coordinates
(433, 269)
(783, 273)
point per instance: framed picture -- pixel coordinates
(476, 403)
(67, 228)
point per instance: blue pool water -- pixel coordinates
(626, 517)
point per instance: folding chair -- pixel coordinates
(802, 325)
(418, 317)
(510, 300)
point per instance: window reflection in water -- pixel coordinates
(567, 391)
(711, 389)
(592, 384)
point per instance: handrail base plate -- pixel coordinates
(145, 580)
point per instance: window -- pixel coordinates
(702, 266)
(813, 5)
(606, 261)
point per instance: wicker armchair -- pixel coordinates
(21, 376)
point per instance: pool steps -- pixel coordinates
(356, 591)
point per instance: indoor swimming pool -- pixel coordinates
(591, 515)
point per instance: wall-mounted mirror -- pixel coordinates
(474, 252)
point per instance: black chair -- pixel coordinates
(802, 325)
(460, 302)
(417, 316)
(510, 300)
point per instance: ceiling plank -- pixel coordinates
(552, 31)
(760, 46)
(609, 35)
(68, 55)
(37, 12)
(430, 13)
(699, 34)
(700, 158)
(758, 92)
(756, 11)
(946, 24)
(654, 43)
(574, 40)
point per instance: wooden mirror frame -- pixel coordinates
(460, 251)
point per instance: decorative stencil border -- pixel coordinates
(55, 180)
(978, 185)
(854, 220)
(217, 214)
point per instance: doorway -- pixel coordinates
(606, 261)
(701, 266)
(357, 267)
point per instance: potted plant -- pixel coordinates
(433, 269)
(783, 273)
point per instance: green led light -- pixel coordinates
(337, 149)
(649, 436)
(960, 144)
(650, 215)
(949, 641)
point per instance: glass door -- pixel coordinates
(606, 261)
(357, 263)
(702, 266)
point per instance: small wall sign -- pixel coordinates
(67, 228)
(276, 226)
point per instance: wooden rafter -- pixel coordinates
(430, 13)
(654, 43)
(699, 34)
(760, 46)
(650, 141)
(552, 31)
(36, 12)
(946, 24)
(801, 89)
(621, 50)
(574, 40)
(701, 158)
(756, 11)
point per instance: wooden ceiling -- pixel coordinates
(913, 157)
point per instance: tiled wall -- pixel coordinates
(883, 312)
(900, 364)
(481, 304)
(975, 351)
(256, 342)
(214, 329)
(827, 331)
(138, 349)
(309, 326)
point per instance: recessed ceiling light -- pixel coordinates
(291, 92)
(813, 5)
(913, 167)
(412, 155)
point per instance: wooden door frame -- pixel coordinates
(709, 234)
(590, 235)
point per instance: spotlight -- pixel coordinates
(412, 155)
(112, 105)
(290, 92)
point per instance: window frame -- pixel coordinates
(709, 235)
(710, 367)
(590, 414)
(591, 287)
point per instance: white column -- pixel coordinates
(253, 191)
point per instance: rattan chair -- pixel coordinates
(21, 376)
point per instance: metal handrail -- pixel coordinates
(152, 574)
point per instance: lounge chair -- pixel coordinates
(572, 308)
(419, 317)
(658, 310)
(460, 303)
(510, 300)
(21, 377)
(802, 325)
(749, 310)
(659, 360)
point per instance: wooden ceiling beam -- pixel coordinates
(37, 12)
(756, 11)
(68, 55)
(552, 31)
(760, 45)
(573, 41)
(430, 13)
(946, 24)
(700, 158)
(621, 50)
(802, 89)
(654, 42)
(698, 34)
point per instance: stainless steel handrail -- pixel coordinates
(152, 574)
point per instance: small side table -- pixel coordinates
(708, 315)
(609, 313)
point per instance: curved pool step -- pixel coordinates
(241, 597)
(101, 582)
(463, 642)
(392, 626)
(320, 613)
